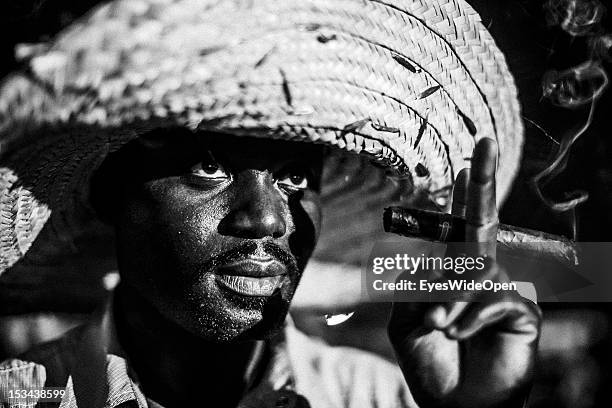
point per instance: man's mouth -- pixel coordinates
(252, 276)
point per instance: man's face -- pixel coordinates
(215, 231)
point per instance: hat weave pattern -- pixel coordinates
(411, 85)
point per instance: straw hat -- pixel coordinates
(408, 85)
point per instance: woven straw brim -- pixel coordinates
(410, 85)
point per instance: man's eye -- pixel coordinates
(294, 181)
(209, 170)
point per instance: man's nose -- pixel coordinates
(258, 209)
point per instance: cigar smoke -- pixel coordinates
(602, 47)
(577, 87)
(577, 17)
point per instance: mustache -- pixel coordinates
(248, 248)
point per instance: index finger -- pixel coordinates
(481, 208)
(460, 193)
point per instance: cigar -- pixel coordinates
(441, 227)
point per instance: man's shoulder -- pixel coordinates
(349, 376)
(46, 364)
(17, 375)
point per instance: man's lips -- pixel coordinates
(253, 267)
(252, 276)
(249, 286)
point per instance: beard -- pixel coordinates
(214, 313)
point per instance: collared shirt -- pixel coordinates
(301, 372)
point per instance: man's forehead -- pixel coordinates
(180, 147)
(247, 147)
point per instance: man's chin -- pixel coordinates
(248, 326)
(225, 316)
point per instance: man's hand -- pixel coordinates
(479, 352)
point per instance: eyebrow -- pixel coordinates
(210, 156)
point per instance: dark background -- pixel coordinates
(574, 368)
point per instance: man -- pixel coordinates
(214, 225)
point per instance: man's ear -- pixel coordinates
(159, 153)
(106, 193)
(117, 173)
